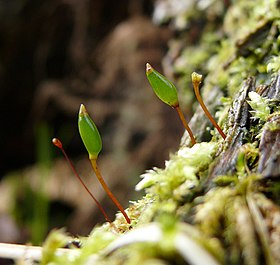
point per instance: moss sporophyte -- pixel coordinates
(196, 80)
(93, 143)
(58, 144)
(167, 92)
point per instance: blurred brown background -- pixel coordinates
(55, 55)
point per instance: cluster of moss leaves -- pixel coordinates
(218, 198)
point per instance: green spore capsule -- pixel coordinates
(89, 133)
(167, 92)
(162, 87)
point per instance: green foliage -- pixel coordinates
(273, 65)
(31, 206)
(259, 106)
(40, 201)
(56, 239)
(181, 169)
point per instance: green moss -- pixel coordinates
(56, 239)
(182, 169)
(273, 65)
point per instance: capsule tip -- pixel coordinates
(57, 143)
(82, 110)
(149, 68)
(196, 78)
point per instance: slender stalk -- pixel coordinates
(58, 144)
(106, 188)
(196, 79)
(185, 124)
